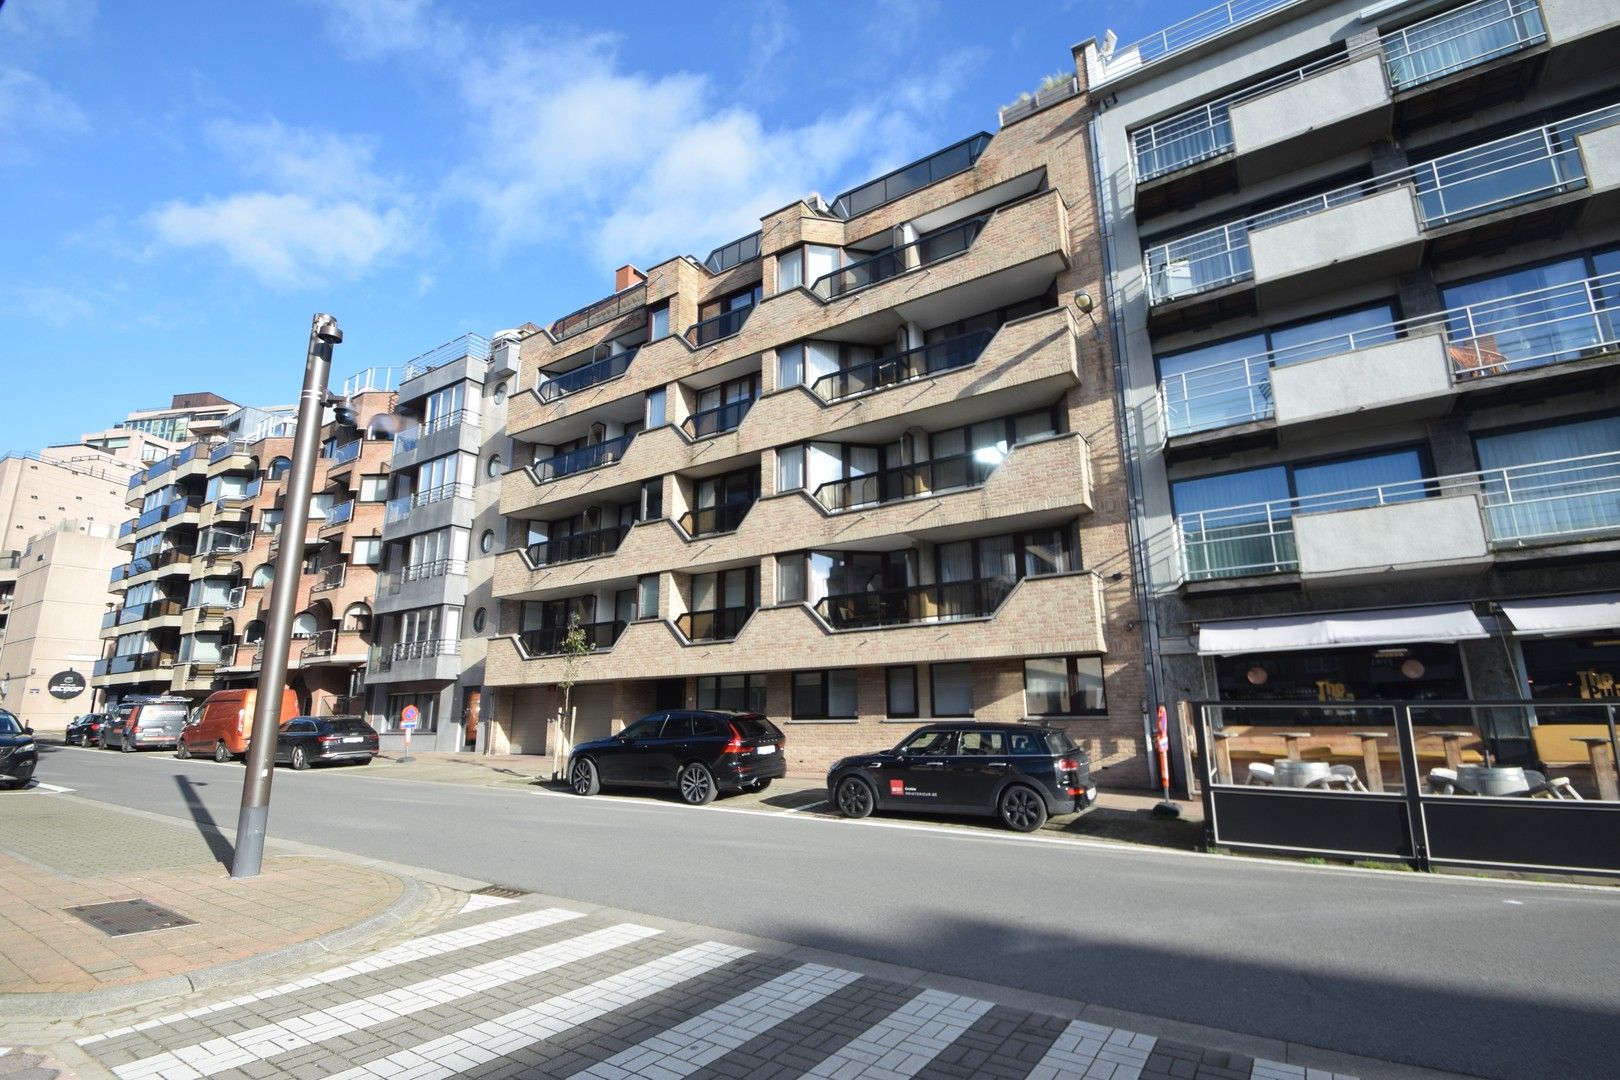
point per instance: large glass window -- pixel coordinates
(1553, 481)
(1064, 686)
(743, 693)
(1526, 317)
(824, 695)
(902, 687)
(951, 689)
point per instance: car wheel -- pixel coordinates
(583, 778)
(855, 798)
(126, 747)
(181, 750)
(300, 759)
(222, 753)
(1022, 809)
(697, 785)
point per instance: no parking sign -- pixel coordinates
(408, 716)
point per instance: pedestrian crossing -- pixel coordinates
(553, 992)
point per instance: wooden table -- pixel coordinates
(1223, 757)
(1291, 740)
(1369, 757)
(1602, 757)
(1451, 739)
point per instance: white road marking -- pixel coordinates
(404, 953)
(42, 786)
(479, 903)
(1082, 1046)
(471, 1047)
(295, 1033)
(709, 1036)
(904, 1042)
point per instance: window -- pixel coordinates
(930, 744)
(441, 405)
(304, 625)
(1064, 686)
(374, 489)
(951, 689)
(658, 322)
(486, 542)
(648, 727)
(499, 396)
(789, 366)
(982, 743)
(647, 597)
(1531, 497)
(790, 468)
(743, 693)
(479, 618)
(656, 412)
(367, 551)
(492, 468)
(263, 575)
(652, 499)
(426, 704)
(792, 578)
(824, 695)
(902, 682)
(279, 467)
(789, 270)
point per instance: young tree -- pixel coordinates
(575, 647)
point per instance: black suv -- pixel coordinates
(85, 731)
(698, 752)
(1017, 771)
(18, 754)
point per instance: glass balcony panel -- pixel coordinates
(918, 363)
(896, 261)
(549, 640)
(719, 419)
(582, 378)
(586, 457)
(583, 545)
(718, 624)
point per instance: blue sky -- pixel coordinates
(185, 182)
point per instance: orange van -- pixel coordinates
(223, 727)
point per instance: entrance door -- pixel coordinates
(470, 715)
(669, 694)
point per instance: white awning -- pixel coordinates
(1564, 614)
(1387, 626)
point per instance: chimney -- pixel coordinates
(626, 276)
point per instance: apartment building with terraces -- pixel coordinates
(1365, 263)
(191, 602)
(855, 470)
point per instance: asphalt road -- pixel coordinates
(1492, 978)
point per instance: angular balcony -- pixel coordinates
(956, 158)
(147, 665)
(583, 545)
(595, 456)
(555, 387)
(923, 362)
(344, 454)
(715, 520)
(941, 602)
(926, 478)
(720, 419)
(139, 613)
(602, 312)
(552, 640)
(724, 325)
(718, 624)
(330, 577)
(334, 647)
(399, 508)
(126, 535)
(341, 514)
(436, 660)
(923, 251)
(220, 457)
(1448, 522)
(445, 434)
(423, 584)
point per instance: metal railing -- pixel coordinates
(958, 157)
(713, 520)
(137, 662)
(723, 325)
(1187, 33)
(221, 543)
(921, 252)
(1532, 503)
(384, 657)
(340, 514)
(473, 345)
(603, 311)
(126, 528)
(736, 253)
(394, 580)
(548, 640)
(349, 451)
(583, 378)
(558, 466)
(1539, 327)
(330, 577)
(407, 441)
(322, 644)
(720, 419)
(909, 366)
(718, 624)
(247, 494)
(1505, 172)
(228, 448)
(402, 505)
(580, 545)
(932, 477)
(939, 602)
(1438, 46)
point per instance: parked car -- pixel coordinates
(1019, 772)
(18, 754)
(85, 731)
(320, 740)
(223, 727)
(145, 723)
(699, 753)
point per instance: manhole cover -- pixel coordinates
(123, 917)
(504, 891)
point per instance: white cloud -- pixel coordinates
(52, 305)
(29, 106)
(35, 21)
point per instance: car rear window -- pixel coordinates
(1060, 742)
(350, 727)
(752, 726)
(162, 716)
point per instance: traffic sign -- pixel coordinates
(408, 716)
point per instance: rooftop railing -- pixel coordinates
(736, 253)
(606, 452)
(473, 345)
(1552, 325)
(1438, 46)
(896, 261)
(717, 624)
(580, 545)
(1505, 172)
(1187, 33)
(585, 377)
(548, 640)
(707, 331)
(909, 366)
(958, 157)
(940, 602)
(602, 311)
(1538, 502)
(719, 419)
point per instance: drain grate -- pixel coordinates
(121, 918)
(505, 892)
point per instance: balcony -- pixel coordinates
(582, 545)
(473, 345)
(435, 660)
(617, 306)
(346, 454)
(330, 577)
(400, 507)
(921, 252)
(594, 456)
(724, 325)
(155, 609)
(334, 647)
(423, 584)
(1425, 356)
(583, 378)
(909, 366)
(341, 514)
(719, 624)
(942, 602)
(927, 478)
(243, 497)
(407, 442)
(223, 543)
(721, 418)
(135, 664)
(550, 640)
(126, 531)
(1373, 226)
(1449, 521)
(715, 520)
(228, 449)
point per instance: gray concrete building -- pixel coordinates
(1363, 265)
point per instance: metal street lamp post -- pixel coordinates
(250, 824)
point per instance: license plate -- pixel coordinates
(763, 750)
(354, 738)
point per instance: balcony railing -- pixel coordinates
(719, 624)
(340, 514)
(126, 528)
(586, 457)
(1535, 503)
(146, 563)
(124, 665)
(909, 366)
(185, 504)
(921, 252)
(473, 345)
(581, 545)
(603, 311)
(151, 517)
(330, 577)
(1438, 46)
(958, 157)
(1187, 33)
(394, 580)
(385, 657)
(154, 609)
(322, 644)
(721, 418)
(219, 543)
(10, 560)
(1506, 172)
(349, 451)
(399, 507)
(1554, 325)
(906, 482)
(583, 378)
(723, 325)
(941, 602)
(714, 520)
(228, 448)
(548, 640)
(406, 441)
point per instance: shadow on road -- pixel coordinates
(221, 847)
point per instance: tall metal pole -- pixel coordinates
(250, 824)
